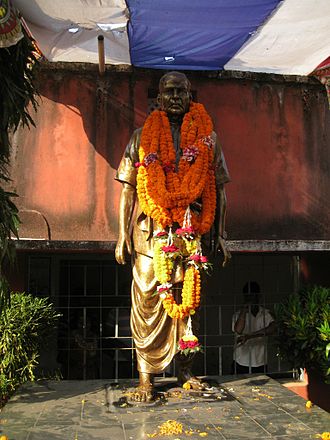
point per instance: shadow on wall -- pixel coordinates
(105, 105)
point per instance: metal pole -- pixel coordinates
(100, 39)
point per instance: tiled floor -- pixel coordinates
(254, 407)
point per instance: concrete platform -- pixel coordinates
(245, 407)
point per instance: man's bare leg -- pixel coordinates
(145, 391)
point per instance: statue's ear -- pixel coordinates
(158, 98)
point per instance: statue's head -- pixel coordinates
(174, 94)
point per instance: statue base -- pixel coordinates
(119, 396)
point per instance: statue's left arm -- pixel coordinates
(221, 235)
(221, 177)
(126, 174)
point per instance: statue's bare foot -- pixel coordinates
(197, 385)
(143, 393)
(186, 377)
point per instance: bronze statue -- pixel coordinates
(155, 331)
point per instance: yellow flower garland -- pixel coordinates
(190, 296)
(191, 290)
(163, 265)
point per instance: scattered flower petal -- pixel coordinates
(309, 404)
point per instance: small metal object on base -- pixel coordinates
(210, 394)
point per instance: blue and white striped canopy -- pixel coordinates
(287, 37)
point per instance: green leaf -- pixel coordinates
(327, 350)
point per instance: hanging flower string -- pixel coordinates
(170, 248)
(189, 343)
(165, 194)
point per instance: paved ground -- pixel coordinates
(254, 407)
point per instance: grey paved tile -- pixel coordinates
(298, 437)
(15, 435)
(198, 428)
(241, 427)
(214, 414)
(104, 420)
(52, 433)
(318, 421)
(254, 407)
(16, 425)
(99, 424)
(297, 407)
(158, 417)
(100, 433)
(258, 407)
(283, 424)
(53, 421)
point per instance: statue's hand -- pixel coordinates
(221, 246)
(124, 242)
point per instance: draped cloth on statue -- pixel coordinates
(155, 334)
(10, 26)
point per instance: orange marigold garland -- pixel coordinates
(165, 192)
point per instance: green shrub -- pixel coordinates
(25, 326)
(304, 332)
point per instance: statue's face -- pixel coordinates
(174, 96)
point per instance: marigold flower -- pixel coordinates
(170, 427)
(309, 404)
(168, 166)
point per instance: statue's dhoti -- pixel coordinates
(155, 334)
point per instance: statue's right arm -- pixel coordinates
(126, 207)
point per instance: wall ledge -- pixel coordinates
(215, 74)
(235, 246)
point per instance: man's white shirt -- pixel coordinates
(252, 352)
